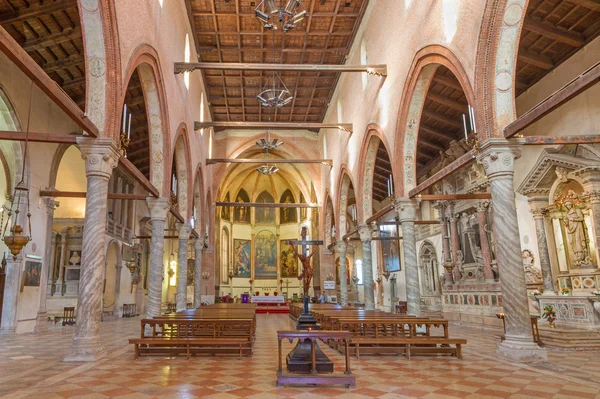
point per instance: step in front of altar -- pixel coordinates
(569, 338)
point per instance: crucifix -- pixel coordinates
(307, 270)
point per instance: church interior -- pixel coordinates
(401, 198)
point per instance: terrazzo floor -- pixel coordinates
(31, 367)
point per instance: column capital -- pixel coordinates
(159, 208)
(184, 231)
(482, 206)
(365, 232)
(498, 157)
(407, 209)
(101, 155)
(199, 244)
(51, 205)
(341, 246)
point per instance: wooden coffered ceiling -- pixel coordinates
(227, 31)
(441, 119)
(138, 151)
(553, 31)
(50, 32)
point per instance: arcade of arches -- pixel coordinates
(441, 158)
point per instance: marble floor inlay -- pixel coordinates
(31, 366)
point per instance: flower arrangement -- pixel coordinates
(565, 291)
(596, 292)
(550, 315)
(535, 292)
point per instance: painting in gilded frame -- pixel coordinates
(241, 258)
(265, 255)
(289, 261)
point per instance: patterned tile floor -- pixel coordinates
(31, 367)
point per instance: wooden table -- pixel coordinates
(314, 378)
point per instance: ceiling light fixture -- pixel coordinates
(277, 95)
(288, 13)
(267, 144)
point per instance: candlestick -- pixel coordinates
(129, 128)
(474, 128)
(391, 185)
(465, 126)
(124, 115)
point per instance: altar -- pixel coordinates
(270, 304)
(267, 300)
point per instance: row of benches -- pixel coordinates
(378, 332)
(213, 329)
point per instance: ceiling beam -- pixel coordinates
(561, 140)
(265, 205)
(443, 100)
(554, 32)
(454, 122)
(589, 4)
(457, 164)
(251, 14)
(449, 82)
(347, 127)
(53, 66)
(35, 11)
(379, 70)
(453, 197)
(132, 171)
(212, 161)
(430, 145)
(539, 61)
(29, 67)
(38, 137)
(82, 194)
(436, 133)
(53, 39)
(555, 100)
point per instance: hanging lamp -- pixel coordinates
(286, 13)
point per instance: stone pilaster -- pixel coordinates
(353, 286)
(198, 246)
(539, 213)
(497, 157)
(159, 208)
(454, 242)
(41, 323)
(184, 236)
(486, 252)
(12, 287)
(365, 233)
(340, 248)
(101, 157)
(407, 210)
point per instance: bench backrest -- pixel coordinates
(183, 328)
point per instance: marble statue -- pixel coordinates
(533, 275)
(576, 230)
(460, 260)
(478, 255)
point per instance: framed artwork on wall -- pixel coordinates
(32, 273)
(288, 261)
(241, 258)
(265, 255)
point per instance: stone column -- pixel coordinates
(407, 210)
(365, 233)
(353, 287)
(445, 242)
(340, 248)
(198, 246)
(60, 283)
(159, 207)
(41, 323)
(10, 303)
(497, 157)
(483, 239)
(184, 236)
(453, 218)
(101, 157)
(537, 208)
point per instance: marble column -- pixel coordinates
(353, 286)
(60, 283)
(366, 234)
(539, 213)
(340, 248)
(498, 157)
(12, 288)
(159, 208)
(454, 240)
(184, 236)
(41, 323)
(101, 156)
(486, 252)
(446, 257)
(198, 246)
(407, 210)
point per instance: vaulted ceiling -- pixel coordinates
(441, 119)
(553, 31)
(227, 31)
(50, 32)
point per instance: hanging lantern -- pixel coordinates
(17, 239)
(288, 13)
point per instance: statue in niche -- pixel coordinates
(460, 260)
(532, 274)
(75, 258)
(242, 209)
(478, 255)
(576, 230)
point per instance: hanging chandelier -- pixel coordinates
(268, 170)
(275, 96)
(17, 239)
(288, 13)
(267, 144)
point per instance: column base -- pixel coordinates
(85, 350)
(41, 322)
(8, 331)
(521, 350)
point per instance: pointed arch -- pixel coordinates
(344, 183)
(182, 156)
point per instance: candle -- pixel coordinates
(129, 128)
(124, 115)
(465, 126)
(391, 185)
(474, 128)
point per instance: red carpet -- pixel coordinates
(272, 309)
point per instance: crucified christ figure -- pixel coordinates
(307, 271)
